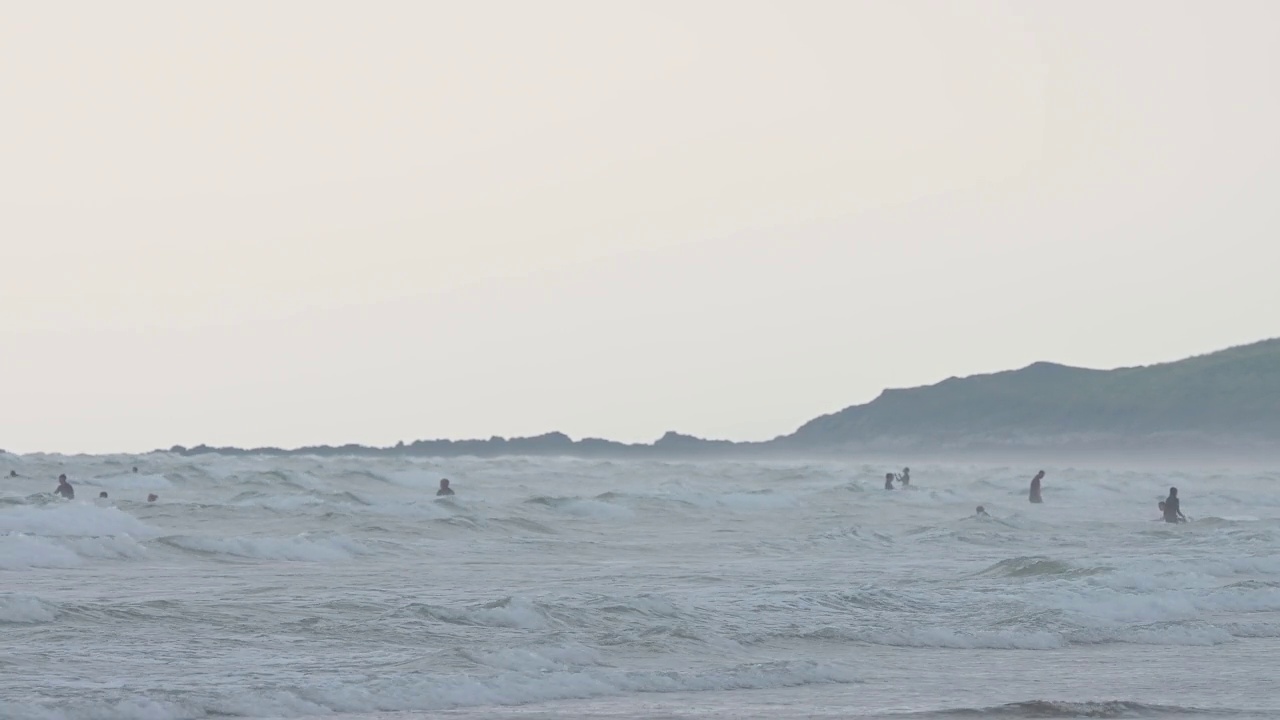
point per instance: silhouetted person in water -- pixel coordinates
(102, 495)
(444, 488)
(135, 468)
(153, 497)
(65, 489)
(13, 473)
(888, 481)
(1172, 509)
(1035, 487)
(982, 512)
(905, 477)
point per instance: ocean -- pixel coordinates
(343, 589)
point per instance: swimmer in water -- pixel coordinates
(102, 495)
(444, 488)
(905, 477)
(153, 497)
(1172, 509)
(982, 512)
(888, 481)
(1035, 487)
(64, 488)
(13, 473)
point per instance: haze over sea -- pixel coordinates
(342, 588)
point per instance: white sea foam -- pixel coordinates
(25, 609)
(315, 587)
(19, 551)
(1241, 565)
(303, 548)
(72, 519)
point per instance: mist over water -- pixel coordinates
(343, 588)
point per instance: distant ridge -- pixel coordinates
(1222, 400)
(672, 444)
(1233, 393)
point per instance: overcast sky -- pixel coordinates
(289, 223)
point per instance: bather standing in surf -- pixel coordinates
(1172, 508)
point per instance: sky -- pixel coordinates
(293, 223)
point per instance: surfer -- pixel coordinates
(1035, 487)
(1172, 509)
(982, 512)
(888, 481)
(64, 488)
(444, 488)
(905, 477)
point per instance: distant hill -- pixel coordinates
(1224, 400)
(1232, 395)
(670, 445)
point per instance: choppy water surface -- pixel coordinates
(342, 588)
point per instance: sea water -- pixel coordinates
(303, 587)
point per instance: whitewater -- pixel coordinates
(343, 589)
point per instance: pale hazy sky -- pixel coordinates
(314, 222)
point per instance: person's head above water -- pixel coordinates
(153, 497)
(444, 483)
(981, 510)
(13, 473)
(62, 478)
(103, 494)
(1161, 506)
(1173, 492)
(135, 468)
